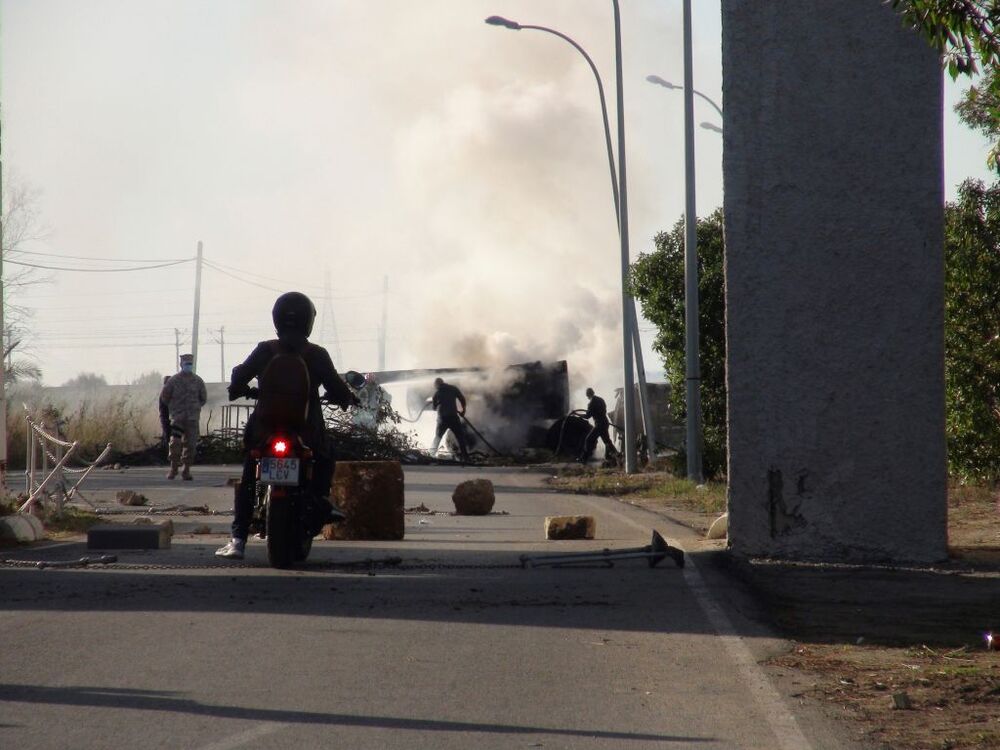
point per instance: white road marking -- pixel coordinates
(783, 725)
(246, 737)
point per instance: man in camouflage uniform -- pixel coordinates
(184, 394)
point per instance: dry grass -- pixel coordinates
(71, 521)
(659, 487)
(128, 423)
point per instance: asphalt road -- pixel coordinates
(459, 647)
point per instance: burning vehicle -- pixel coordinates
(509, 409)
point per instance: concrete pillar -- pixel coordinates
(834, 282)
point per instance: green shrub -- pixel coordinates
(657, 282)
(972, 331)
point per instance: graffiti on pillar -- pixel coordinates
(785, 516)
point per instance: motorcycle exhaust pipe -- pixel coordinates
(654, 552)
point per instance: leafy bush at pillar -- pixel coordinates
(972, 331)
(657, 282)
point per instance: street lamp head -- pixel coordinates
(660, 82)
(501, 21)
(711, 126)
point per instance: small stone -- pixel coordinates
(201, 530)
(129, 497)
(474, 497)
(901, 702)
(570, 527)
(118, 467)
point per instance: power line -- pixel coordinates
(245, 281)
(87, 257)
(223, 268)
(251, 273)
(32, 296)
(97, 270)
(168, 344)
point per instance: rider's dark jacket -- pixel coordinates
(321, 373)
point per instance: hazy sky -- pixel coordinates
(351, 140)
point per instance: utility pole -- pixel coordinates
(328, 316)
(197, 308)
(385, 315)
(3, 390)
(177, 348)
(222, 352)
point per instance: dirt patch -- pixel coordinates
(954, 695)
(868, 632)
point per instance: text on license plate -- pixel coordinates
(279, 470)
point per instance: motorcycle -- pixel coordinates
(288, 512)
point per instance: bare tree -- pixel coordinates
(20, 226)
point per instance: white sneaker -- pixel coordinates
(233, 550)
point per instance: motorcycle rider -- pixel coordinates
(293, 315)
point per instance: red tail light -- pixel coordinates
(279, 447)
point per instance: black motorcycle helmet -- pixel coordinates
(294, 311)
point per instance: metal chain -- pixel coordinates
(141, 510)
(371, 565)
(41, 437)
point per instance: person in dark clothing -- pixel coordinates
(598, 411)
(446, 402)
(293, 315)
(165, 418)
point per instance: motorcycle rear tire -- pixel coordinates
(303, 548)
(281, 536)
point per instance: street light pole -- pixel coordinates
(629, 396)
(631, 319)
(672, 86)
(692, 359)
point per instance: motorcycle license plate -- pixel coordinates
(279, 470)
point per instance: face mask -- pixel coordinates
(187, 367)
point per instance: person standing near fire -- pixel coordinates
(446, 402)
(597, 410)
(184, 394)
